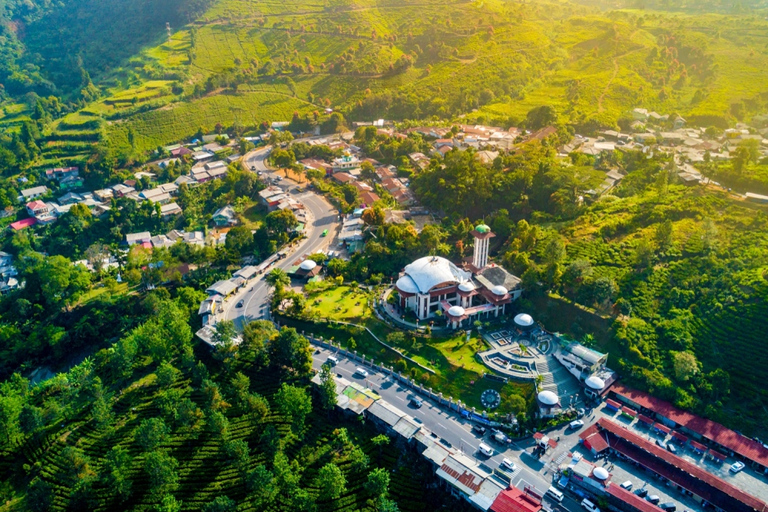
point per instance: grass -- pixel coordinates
(253, 216)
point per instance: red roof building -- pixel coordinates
(679, 471)
(691, 424)
(368, 198)
(23, 223)
(631, 500)
(515, 500)
(593, 439)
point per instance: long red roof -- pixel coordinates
(636, 502)
(678, 470)
(23, 223)
(709, 429)
(515, 500)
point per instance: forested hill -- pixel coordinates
(47, 47)
(692, 6)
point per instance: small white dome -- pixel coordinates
(307, 265)
(499, 290)
(524, 320)
(600, 473)
(466, 287)
(456, 311)
(548, 397)
(595, 383)
(405, 284)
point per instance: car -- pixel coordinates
(416, 401)
(627, 485)
(500, 437)
(589, 506)
(736, 467)
(661, 443)
(580, 412)
(642, 492)
(332, 360)
(324, 233)
(653, 498)
(576, 424)
(486, 450)
(672, 448)
(253, 168)
(479, 429)
(239, 304)
(668, 507)
(260, 173)
(508, 464)
(361, 372)
(279, 178)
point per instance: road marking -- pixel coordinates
(441, 425)
(400, 398)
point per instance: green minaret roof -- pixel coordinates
(482, 228)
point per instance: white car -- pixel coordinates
(736, 467)
(627, 485)
(485, 450)
(508, 464)
(576, 424)
(361, 372)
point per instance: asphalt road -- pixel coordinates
(255, 300)
(448, 426)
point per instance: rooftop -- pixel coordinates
(425, 273)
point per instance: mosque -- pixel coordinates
(477, 291)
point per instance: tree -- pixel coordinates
(116, 474)
(152, 433)
(169, 504)
(166, 374)
(161, 469)
(663, 235)
(685, 365)
(380, 441)
(238, 454)
(327, 388)
(39, 495)
(225, 332)
(378, 483)
(255, 337)
(331, 482)
(220, 504)
(239, 240)
(643, 253)
(295, 403)
(278, 279)
(217, 423)
(540, 117)
(554, 251)
(292, 351)
(386, 505)
(374, 216)
(280, 221)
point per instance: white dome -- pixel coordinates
(456, 311)
(466, 287)
(406, 284)
(499, 290)
(307, 265)
(524, 320)
(600, 473)
(548, 398)
(430, 271)
(595, 383)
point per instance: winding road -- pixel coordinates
(254, 301)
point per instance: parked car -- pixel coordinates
(668, 507)
(361, 372)
(589, 506)
(576, 424)
(500, 437)
(653, 498)
(672, 448)
(479, 429)
(416, 401)
(580, 412)
(508, 464)
(332, 360)
(737, 467)
(239, 304)
(661, 443)
(642, 492)
(627, 485)
(486, 450)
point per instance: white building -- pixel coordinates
(433, 284)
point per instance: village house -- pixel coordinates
(30, 194)
(140, 238)
(169, 210)
(225, 216)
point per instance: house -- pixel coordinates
(201, 156)
(37, 208)
(70, 182)
(218, 173)
(368, 198)
(6, 259)
(161, 241)
(70, 198)
(186, 180)
(169, 188)
(215, 165)
(100, 209)
(121, 190)
(233, 158)
(179, 152)
(343, 177)
(462, 475)
(419, 160)
(103, 194)
(144, 174)
(225, 216)
(169, 210)
(515, 500)
(62, 172)
(161, 198)
(362, 186)
(212, 137)
(640, 114)
(384, 172)
(224, 288)
(201, 175)
(138, 238)
(23, 223)
(271, 197)
(194, 238)
(30, 194)
(345, 163)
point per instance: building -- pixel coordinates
(23, 223)
(462, 475)
(513, 499)
(345, 163)
(30, 194)
(225, 216)
(138, 238)
(170, 210)
(432, 284)
(700, 484)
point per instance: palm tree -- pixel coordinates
(278, 278)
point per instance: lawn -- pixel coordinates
(254, 216)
